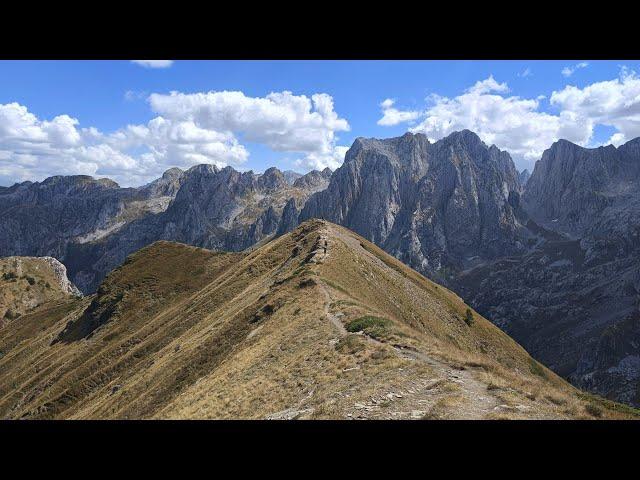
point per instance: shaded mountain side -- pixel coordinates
(571, 186)
(91, 225)
(318, 323)
(571, 299)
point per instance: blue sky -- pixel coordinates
(65, 117)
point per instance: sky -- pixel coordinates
(132, 120)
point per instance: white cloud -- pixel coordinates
(187, 130)
(486, 86)
(617, 139)
(614, 103)
(568, 71)
(282, 121)
(392, 116)
(525, 73)
(520, 126)
(320, 162)
(512, 123)
(153, 63)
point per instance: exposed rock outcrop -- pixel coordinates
(28, 282)
(437, 207)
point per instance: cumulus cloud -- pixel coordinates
(614, 103)
(153, 63)
(510, 122)
(187, 129)
(320, 162)
(282, 121)
(569, 70)
(523, 128)
(392, 116)
(488, 85)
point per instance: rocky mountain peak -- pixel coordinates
(314, 180)
(272, 178)
(290, 176)
(165, 186)
(631, 150)
(172, 173)
(202, 169)
(571, 184)
(431, 204)
(465, 137)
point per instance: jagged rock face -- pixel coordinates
(207, 199)
(39, 219)
(228, 210)
(571, 185)
(314, 181)
(58, 216)
(431, 205)
(60, 274)
(611, 367)
(289, 219)
(165, 186)
(290, 176)
(569, 297)
(220, 209)
(523, 177)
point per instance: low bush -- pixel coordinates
(9, 276)
(375, 327)
(468, 317)
(536, 368)
(593, 410)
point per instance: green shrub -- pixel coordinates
(593, 410)
(9, 276)
(468, 317)
(11, 315)
(536, 368)
(30, 279)
(307, 282)
(375, 327)
(598, 401)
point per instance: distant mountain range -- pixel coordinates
(553, 259)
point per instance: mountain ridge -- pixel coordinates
(548, 260)
(317, 323)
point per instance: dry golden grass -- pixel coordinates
(181, 332)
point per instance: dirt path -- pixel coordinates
(477, 402)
